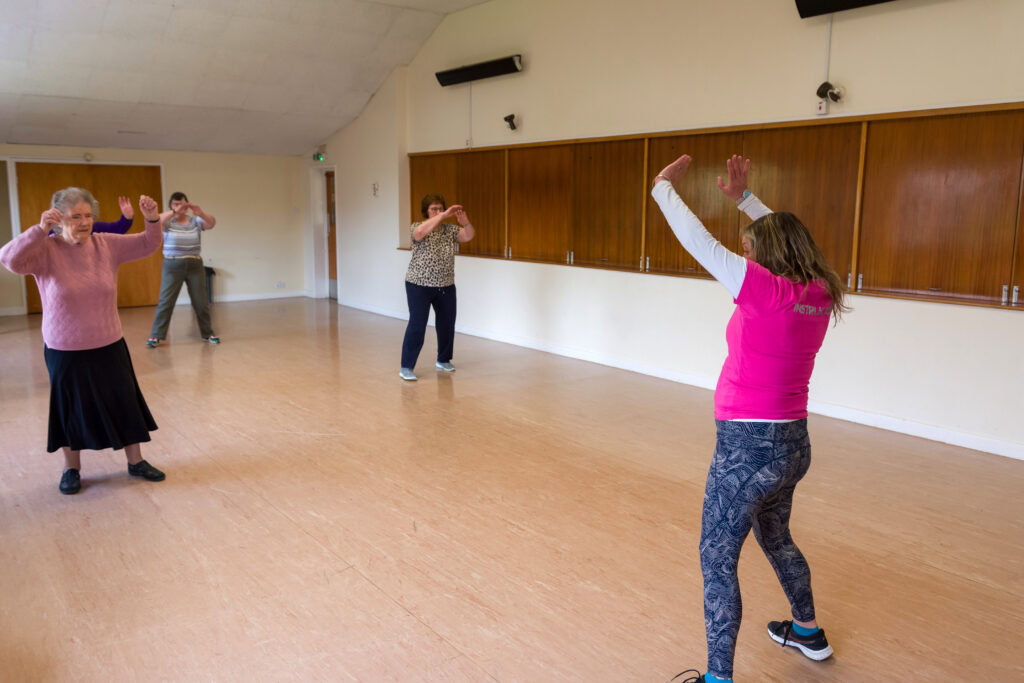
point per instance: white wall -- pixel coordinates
(259, 202)
(603, 67)
(368, 151)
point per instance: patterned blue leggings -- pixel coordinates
(753, 473)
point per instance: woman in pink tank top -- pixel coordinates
(785, 293)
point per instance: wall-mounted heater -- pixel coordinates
(814, 8)
(474, 72)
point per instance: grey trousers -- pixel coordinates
(176, 271)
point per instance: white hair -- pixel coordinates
(69, 196)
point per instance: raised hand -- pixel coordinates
(50, 219)
(126, 207)
(194, 208)
(149, 208)
(737, 168)
(676, 170)
(451, 211)
(461, 216)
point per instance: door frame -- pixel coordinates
(12, 190)
(317, 256)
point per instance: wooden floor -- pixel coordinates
(529, 518)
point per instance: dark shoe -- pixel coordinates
(692, 676)
(70, 482)
(146, 471)
(814, 646)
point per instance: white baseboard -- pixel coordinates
(925, 431)
(893, 424)
(14, 310)
(183, 299)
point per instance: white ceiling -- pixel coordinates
(252, 76)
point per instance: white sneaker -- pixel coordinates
(407, 374)
(447, 367)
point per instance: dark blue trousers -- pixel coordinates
(750, 485)
(420, 300)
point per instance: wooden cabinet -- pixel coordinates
(699, 189)
(540, 203)
(607, 203)
(810, 172)
(940, 205)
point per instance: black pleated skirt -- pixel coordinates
(95, 400)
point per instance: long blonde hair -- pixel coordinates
(783, 245)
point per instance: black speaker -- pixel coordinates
(474, 72)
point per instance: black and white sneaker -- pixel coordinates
(692, 676)
(814, 646)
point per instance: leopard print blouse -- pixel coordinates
(433, 258)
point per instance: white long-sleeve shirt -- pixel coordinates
(725, 266)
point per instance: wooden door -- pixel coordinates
(138, 281)
(332, 227)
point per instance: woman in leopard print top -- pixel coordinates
(430, 281)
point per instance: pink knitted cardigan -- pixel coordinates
(78, 283)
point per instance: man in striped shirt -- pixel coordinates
(183, 263)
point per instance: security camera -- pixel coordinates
(827, 90)
(511, 121)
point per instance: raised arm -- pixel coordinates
(737, 168)
(725, 266)
(26, 254)
(468, 232)
(208, 220)
(141, 244)
(431, 224)
(121, 226)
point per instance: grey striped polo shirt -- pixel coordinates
(183, 240)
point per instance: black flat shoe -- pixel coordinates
(70, 482)
(146, 471)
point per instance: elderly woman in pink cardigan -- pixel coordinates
(95, 401)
